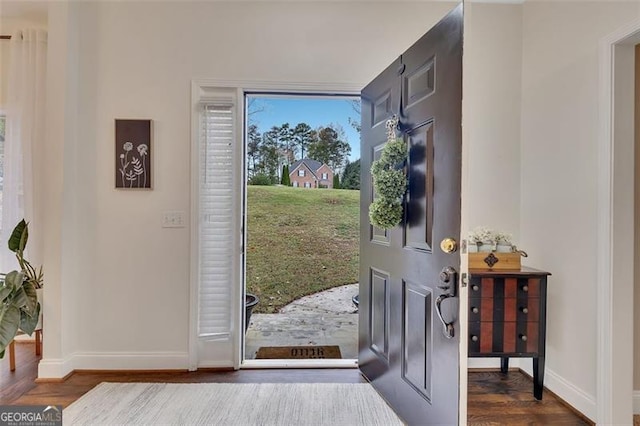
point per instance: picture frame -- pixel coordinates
(133, 150)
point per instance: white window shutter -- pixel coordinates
(216, 218)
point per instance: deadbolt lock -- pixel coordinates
(449, 245)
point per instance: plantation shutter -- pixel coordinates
(216, 218)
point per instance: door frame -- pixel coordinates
(199, 89)
(615, 244)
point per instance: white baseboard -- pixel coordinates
(54, 368)
(131, 361)
(58, 368)
(636, 402)
(570, 393)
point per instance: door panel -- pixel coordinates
(403, 350)
(419, 201)
(417, 339)
(379, 312)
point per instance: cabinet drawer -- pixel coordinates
(509, 309)
(500, 288)
(503, 337)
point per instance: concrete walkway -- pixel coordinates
(325, 318)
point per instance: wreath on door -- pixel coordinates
(389, 180)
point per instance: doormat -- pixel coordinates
(299, 352)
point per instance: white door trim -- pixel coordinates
(614, 245)
(198, 87)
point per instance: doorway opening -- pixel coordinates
(301, 209)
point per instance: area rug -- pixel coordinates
(238, 404)
(299, 352)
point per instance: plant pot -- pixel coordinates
(472, 248)
(250, 301)
(486, 247)
(504, 248)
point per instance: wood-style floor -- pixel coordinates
(494, 398)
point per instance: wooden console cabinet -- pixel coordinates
(507, 317)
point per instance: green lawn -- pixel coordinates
(300, 241)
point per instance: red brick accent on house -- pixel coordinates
(311, 179)
(325, 176)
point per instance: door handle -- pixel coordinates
(448, 331)
(448, 282)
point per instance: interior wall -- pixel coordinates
(130, 282)
(636, 272)
(491, 122)
(559, 180)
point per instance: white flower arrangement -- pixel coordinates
(482, 235)
(504, 238)
(485, 236)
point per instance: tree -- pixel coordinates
(287, 143)
(255, 106)
(351, 175)
(336, 181)
(330, 147)
(254, 138)
(286, 180)
(356, 122)
(269, 156)
(303, 136)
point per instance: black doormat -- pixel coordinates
(299, 352)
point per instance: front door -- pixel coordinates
(406, 350)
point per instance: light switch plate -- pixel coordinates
(173, 219)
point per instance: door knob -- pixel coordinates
(449, 245)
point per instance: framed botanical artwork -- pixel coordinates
(133, 154)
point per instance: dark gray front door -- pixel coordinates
(403, 348)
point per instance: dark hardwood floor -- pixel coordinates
(494, 398)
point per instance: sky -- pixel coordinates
(315, 111)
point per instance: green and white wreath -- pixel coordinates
(389, 180)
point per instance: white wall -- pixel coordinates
(128, 277)
(559, 186)
(636, 278)
(491, 123)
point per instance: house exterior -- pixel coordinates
(309, 173)
(533, 120)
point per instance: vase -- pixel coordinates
(472, 248)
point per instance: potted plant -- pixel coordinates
(250, 301)
(19, 305)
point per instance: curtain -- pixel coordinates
(24, 134)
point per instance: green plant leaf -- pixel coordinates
(32, 297)
(28, 322)
(19, 237)
(19, 299)
(14, 280)
(4, 293)
(9, 322)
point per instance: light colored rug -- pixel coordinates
(232, 404)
